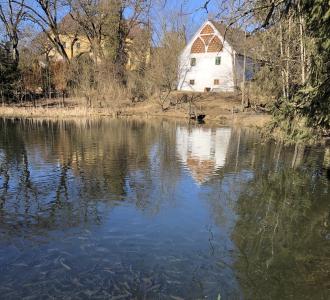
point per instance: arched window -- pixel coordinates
(215, 45)
(207, 29)
(198, 46)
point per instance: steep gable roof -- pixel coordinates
(236, 38)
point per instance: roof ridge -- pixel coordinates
(234, 36)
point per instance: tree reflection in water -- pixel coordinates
(160, 209)
(73, 166)
(273, 200)
(282, 228)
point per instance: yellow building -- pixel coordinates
(77, 44)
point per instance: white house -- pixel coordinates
(213, 60)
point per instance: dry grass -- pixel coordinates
(53, 112)
(217, 107)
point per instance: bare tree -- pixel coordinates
(91, 16)
(164, 67)
(12, 14)
(45, 13)
(108, 24)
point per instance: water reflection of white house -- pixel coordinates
(202, 150)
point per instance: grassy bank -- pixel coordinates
(220, 109)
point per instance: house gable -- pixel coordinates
(207, 40)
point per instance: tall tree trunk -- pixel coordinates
(120, 56)
(302, 46)
(244, 70)
(15, 52)
(282, 66)
(288, 58)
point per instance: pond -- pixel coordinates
(128, 209)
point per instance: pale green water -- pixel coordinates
(159, 210)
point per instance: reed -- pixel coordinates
(54, 112)
(218, 109)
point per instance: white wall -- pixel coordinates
(205, 71)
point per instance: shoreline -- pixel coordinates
(148, 112)
(247, 119)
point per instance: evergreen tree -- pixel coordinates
(9, 75)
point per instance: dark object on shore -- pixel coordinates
(198, 117)
(196, 114)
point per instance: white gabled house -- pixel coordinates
(213, 60)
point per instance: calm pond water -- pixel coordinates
(160, 210)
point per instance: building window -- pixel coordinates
(78, 45)
(192, 81)
(218, 60)
(193, 61)
(64, 45)
(216, 82)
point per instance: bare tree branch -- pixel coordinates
(12, 14)
(44, 14)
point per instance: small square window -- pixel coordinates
(216, 82)
(192, 81)
(78, 45)
(218, 60)
(193, 61)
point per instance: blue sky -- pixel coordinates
(188, 12)
(194, 13)
(194, 8)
